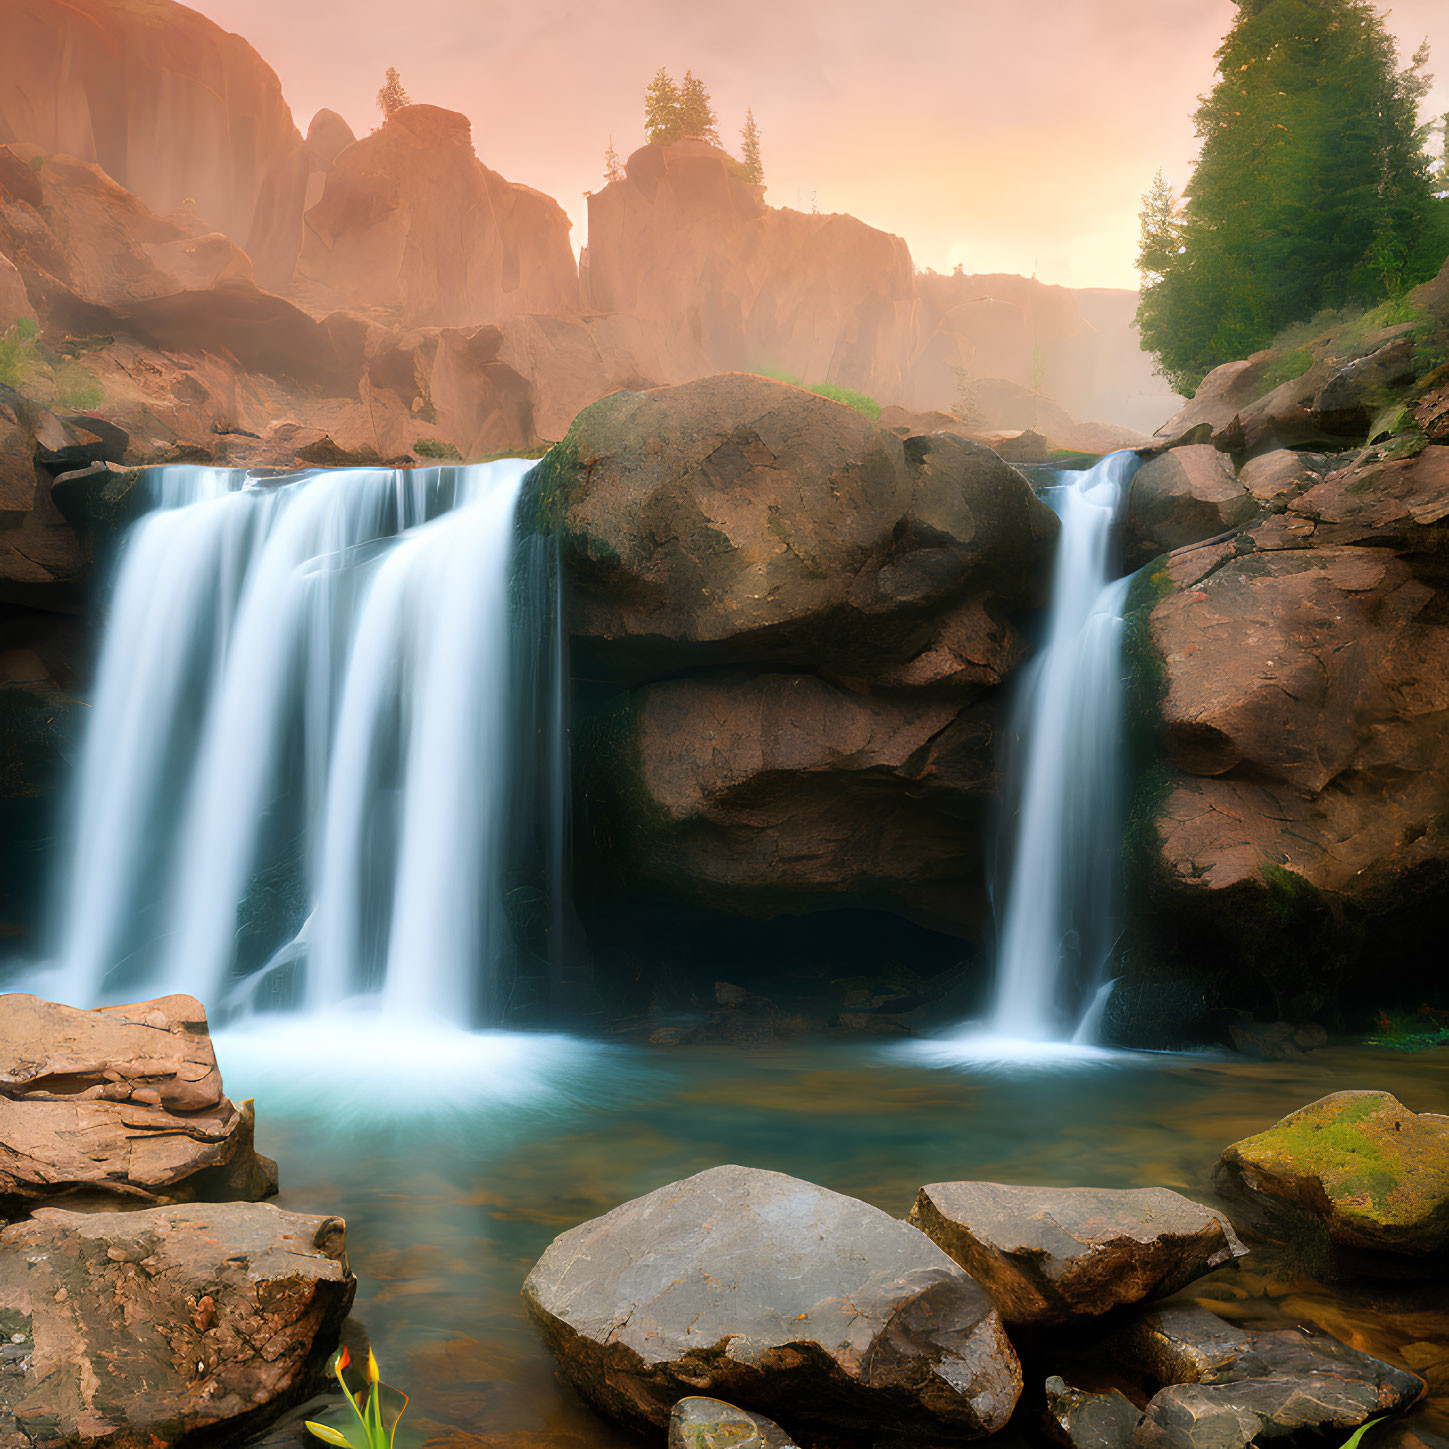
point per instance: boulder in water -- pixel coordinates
(133, 1330)
(120, 1107)
(779, 1294)
(1051, 1255)
(1373, 1174)
(700, 1423)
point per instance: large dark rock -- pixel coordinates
(1050, 1255)
(133, 1330)
(738, 519)
(1370, 1173)
(1256, 1388)
(780, 1295)
(120, 1107)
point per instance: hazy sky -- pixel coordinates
(1005, 135)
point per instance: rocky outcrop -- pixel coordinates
(411, 222)
(1181, 497)
(687, 242)
(1303, 691)
(132, 1330)
(169, 105)
(772, 1292)
(808, 613)
(698, 1423)
(1357, 1165)
(1054, 1255)
(121, 1107)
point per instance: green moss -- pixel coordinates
(1288, 897)
(1285, 368)
(1348, 1161)
(847, 395)
(436, 448)
(17, 353)
(547, 489)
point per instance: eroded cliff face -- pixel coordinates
(171, 106)
(412, 223)
(686, 242)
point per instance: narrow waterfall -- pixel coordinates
(303, 758)
(1060, 905)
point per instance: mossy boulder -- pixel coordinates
(1373, 1174)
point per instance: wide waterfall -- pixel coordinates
(1060, 902)
(304, 756)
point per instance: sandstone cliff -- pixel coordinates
(170, 105)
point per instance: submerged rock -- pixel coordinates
(1051, 1255)
(1373, 1174)
(133, 1330)
(1281, 1388)
(780, 1294)
(699, 1423)
(120, 1107)
(1084, 1420)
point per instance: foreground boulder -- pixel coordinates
(698, 1423)
(1360, 1166)
(121, 1107)
(1229, 1388)
(1051, 1255)
(133, 1330)
(779, 1294)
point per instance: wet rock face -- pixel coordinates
(1373, 1174)
(130, 1330)
(1213, 1386)
(773, 1292)
(121, 1107)
(1280, 1387)
(1053, 1255)
(699, 1423)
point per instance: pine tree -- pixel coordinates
(696, 115)
(613, 167)
(1311, 190)
(392, 97)
(750, 150)
(662, 121)
(1160, 235)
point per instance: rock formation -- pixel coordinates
(858, 593)
(1358, 1166)
(411, 222)
(172, 107)
(131, 1330)
(770, 1291)
(1052, 1255)
(687, 242)
(121, 1107)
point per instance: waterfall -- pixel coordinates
(299, 774)
(1065, 784)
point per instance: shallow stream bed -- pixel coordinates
(455, 1173)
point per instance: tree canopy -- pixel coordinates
(750, 150)
(1312, 188)
(672, 111)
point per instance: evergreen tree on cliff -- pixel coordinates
(696, 115)
(392, 97)
(1312, 189)
(613, 167)
(662, 120)
(750, 150)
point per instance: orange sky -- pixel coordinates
(1005, 135)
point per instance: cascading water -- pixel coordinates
(1061, 903)
(302, 762)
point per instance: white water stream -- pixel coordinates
(299, 757)
(1060, 910)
